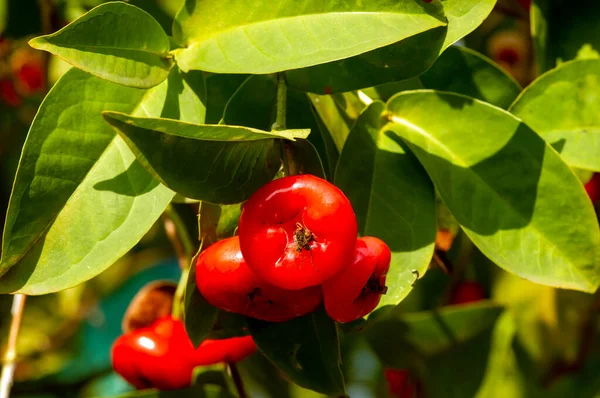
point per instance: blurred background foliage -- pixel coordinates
(526, 341)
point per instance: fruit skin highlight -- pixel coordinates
(225, 281)
(357, 289)
(297, 231)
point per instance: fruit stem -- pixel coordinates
(178, 235)
(10, 356)
(280, 119)
(237, 380)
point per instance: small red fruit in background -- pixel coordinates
(467, 292)
(28, 69)
(158, 356)
(8, 93)
(593, 187)
(225, 281)
(400, 383)
(526, 4)
(356, 290)
(297, 231)
(225, 351)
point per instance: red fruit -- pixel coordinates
(9, 94)
(225, 281)
(355, 291)
(228, 350)
(160, 356)
(297, 231)
(526, 4)
(400, 383)
(593, 187)
(467, 292)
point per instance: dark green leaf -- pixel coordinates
(115, 41)
(219, 90)
(253, 104)
(199, 315)
(229, 36)
(392, 197)
(463, 71)
(301, 114)
(306, 349)
(213, 163)
(509, 190)
(80, 200)
(562, 106)
(426, 335)
(201, 391)
(403, 60)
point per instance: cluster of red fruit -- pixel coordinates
(162, 356)
(297, 247)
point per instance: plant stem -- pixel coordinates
(10, 356)
(280, 119)
(178, 235)
(237, 380)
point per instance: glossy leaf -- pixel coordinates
(392, 197)
(403, 60)
(464, 16)
(509, 190)
(463, 71)
(236, 37)
(213, 163)
(115, 41)
(425, 335)
(80, 200)
(306, 349)
(562, 107)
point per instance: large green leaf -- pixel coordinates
(230, 36)
(80, 199)
(115, 41)
(306, 349)
(214, 163)
(562, 106)
(509, 190)
(463, 71)
(392, 197)
(399, 61)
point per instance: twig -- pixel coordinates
(10, 356)
(280, 120)
(237, 380)
(178, 235)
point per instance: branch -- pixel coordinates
(237, 380)
(10, 356)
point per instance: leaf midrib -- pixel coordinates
(91, 46)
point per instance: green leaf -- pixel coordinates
(80, 200)
(392, 197)
(301, 114)
(306, 349)
(399, 61)
(509, 190)
(115, 41)
(562, 107)
(213, 163)
(199, 315)
(463, 71)
(229, 36)
(253, 104)
(464, 16)
(425, 335)
(220, 88)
